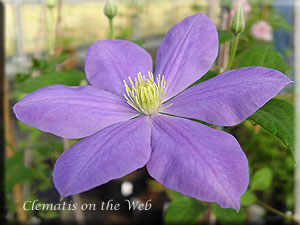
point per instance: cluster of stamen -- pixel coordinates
(146, 95)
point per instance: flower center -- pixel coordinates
(146, 95)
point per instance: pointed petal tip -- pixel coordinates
(235, 205)
(287, 79)
(230, 97)
(231, 202)
(75, 171)
(79, 111)
(190, 33)
(212, 183)
(15, 110)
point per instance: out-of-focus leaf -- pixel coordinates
(52, 63)
(262, 179)
(224, 35)
(15, 171)
(38, 64)
(210, 74)
(248, 198)
(21, 77)
(183, 210)
(264, 56)
(199, 121)
(173, 194)
(47, 66)
(228, 216)
(139, 42)
(279, 24)
(71, 78)
(48, 214)
(277, 117)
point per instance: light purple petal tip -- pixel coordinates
(187, 52)
(109, 62)
(108, 154)
(198, 161)
(72, 112)
(230, 97)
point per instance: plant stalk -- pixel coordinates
(271, 209)
(233, 51)
(111, 29)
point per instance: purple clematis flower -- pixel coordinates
(132, 122)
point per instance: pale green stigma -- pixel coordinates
(146, 95)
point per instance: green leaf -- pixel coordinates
(173, 194)
(277, 117)
(15, 171)
(71, 78)
(48, 214)
(199, 121)
(264, 56)
(139, 42)
(210, 74)
(49, 65)
(224, 36)
(21, 77)
(228, 216)
(183, 210)
(248, 198)
(262, 179)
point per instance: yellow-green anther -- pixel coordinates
(238, 20)
(110, 8)
(146, 95)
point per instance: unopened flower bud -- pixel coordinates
(51, 3)
(238, 20)
(226, 4)
(110, 8)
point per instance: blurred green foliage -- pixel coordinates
(184, 210)
(16, 171)
(262, 137)
(264, 56)
(228, 216)
(41, 149)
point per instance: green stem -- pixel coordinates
(233, 51)
(111, 29)
(271, 209)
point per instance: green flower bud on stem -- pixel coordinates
(237, 27)
(51, 3)
(226, 4)
(238, 20)
(110, 9)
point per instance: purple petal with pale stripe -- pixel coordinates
(230, 97)
(72, 112)
(198, 161)
(108, 154)
(187, 52)
(109, 62)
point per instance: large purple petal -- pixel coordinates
(108, 154)
(72, 112)
(187, 52)
(198, 161)
(230, 97)
(109, 62)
